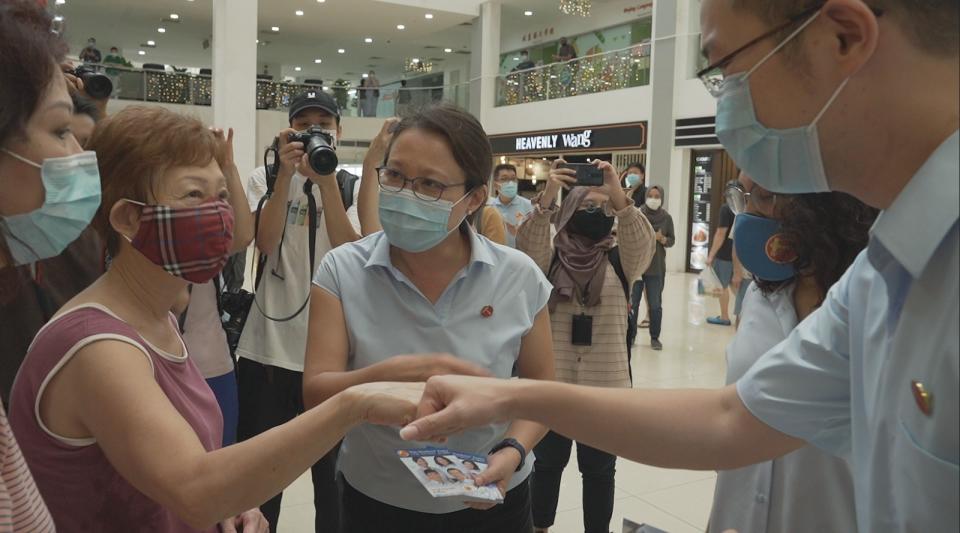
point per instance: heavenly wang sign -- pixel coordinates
(554, 142)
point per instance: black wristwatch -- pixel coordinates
(512, 443)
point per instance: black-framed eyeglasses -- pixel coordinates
(738, 199)
(426, 189)
(712, 75)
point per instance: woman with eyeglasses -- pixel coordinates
(428, 296)
(796, 247)
(591, 272)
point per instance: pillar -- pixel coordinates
(234, 77)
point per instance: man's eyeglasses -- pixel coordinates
(712, 76)
(739, 199)
(426, 189)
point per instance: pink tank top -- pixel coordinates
(81, 488)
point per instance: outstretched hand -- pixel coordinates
(453, 404)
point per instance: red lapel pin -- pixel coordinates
(923, 397)
(486, 312)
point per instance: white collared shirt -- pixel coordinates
(849, 378)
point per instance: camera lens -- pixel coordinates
(97, 85)
(322, 157)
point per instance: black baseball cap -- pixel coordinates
(317, 99)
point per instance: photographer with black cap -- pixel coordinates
(302, 200)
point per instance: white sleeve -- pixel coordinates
(256, 187)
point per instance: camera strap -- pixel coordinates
(313, 222)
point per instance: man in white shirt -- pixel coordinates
(846, 95)
(272, 346)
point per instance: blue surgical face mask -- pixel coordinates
(509, 189)
(72, 197)
(762, 248)
(412, 224)
(633, 180)
(782, 161)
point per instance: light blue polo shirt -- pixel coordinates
(386, 315)
(850, 379)
(513, 213)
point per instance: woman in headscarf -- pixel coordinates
(653, 278)
(591, 273)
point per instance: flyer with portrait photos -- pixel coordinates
(450, 474)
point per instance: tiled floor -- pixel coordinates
(676, 501)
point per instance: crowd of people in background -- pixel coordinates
(398, 305)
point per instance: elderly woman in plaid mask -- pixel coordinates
(109, 406)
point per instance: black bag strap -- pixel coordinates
(614, 256)
(347, 182)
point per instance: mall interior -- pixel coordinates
(617, 81)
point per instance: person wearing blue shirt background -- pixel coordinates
(513, 208)
(814, 96)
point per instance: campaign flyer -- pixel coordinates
(450, 474)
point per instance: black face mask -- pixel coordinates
(594, 226)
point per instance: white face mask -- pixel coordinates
(654, 203)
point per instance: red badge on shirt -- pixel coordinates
(486, 312)
(923, 397)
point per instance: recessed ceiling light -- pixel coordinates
(448, 50)
(368, 40)
(58, 18)
(365, 75)
(61, 2)
(298, 69)
(258, 41)
(516, 59)
(415, 60)
(174, 16)
(428, 16)
(341, 51)
(151, 43)
(318, 61)
(325, 88)
(298, 12)
(141, 52)
(275, 28)
(321, 1)
(528, 13)
(161, 30)
(401, 27)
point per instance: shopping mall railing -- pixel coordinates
(609, 71)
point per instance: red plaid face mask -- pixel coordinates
(189, 242)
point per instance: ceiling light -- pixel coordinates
(428, 16)
(321, 1)
(258, 41)
(161, 30)
(141, 52)
(415, 60)
(298, 69)
(516, 59)
(341, 51)
(448, 50)
(401, 27)
(528, 13)
(318, 61)
(58, 18)
(352, 92)
(298, 12)
(61, 2)
(151, 43)
(325, 88)
(174, 16)
(368, 40)
(275, 28)
(365, 75)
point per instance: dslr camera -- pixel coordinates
(319, 147)
(97, 85)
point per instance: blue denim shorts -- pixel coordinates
(724, 271)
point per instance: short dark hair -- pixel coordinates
(430, 471)
(930, 24)
(503, 166)
(637, 164)
(84, 106)
(827, 231)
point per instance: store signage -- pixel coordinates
(552, 142)
(631, 136)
